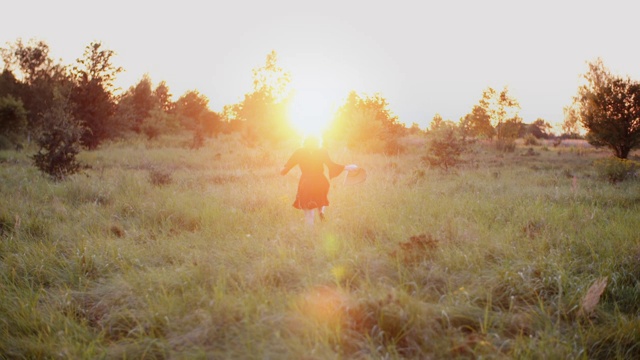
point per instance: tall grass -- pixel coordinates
(490, 260)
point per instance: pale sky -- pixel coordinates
(424, 57)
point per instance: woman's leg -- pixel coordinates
(309, 214)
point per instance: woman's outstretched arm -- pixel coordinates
(293, 161)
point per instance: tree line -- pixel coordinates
(33, 86)
(64, 108)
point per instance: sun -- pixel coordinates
(311, 111)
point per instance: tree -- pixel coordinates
(163, 96)
(143, 99)
(511, 128)
(436, 122)
(9, 85)
(272, 80)
(265, 110)
(414, 129)
(211, 123)
(609, 109)
(60, 141)
(31, 60)
(159, 122)
(190, 108)
(92, 96)
(539, 128)
(477, 123)
(367, 123)
(500, 107)
(31, 76)
(135, 105)
(571, 123)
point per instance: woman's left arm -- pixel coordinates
(334, 169)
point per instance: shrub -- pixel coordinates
(197, 141)
(445, 149)
(531, 140)
(5, 143)
(150, 129)
(506, 145)
(13, 116)
(158, 123)
(615, 169)
(59, 143)
(159, 177)
(393, 146)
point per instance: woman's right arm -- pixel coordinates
(293, 161)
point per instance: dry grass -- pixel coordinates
(495, 259)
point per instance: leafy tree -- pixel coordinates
(36, 77)
(539, 128)
(364, 133)
(135, 105)
(571, 123)
(143, 99)
(380, 106)
(464, 126)
(477, 123)
(436, 122)
(367, 123)
(511, 128)
(9, 85)
(272, 80)
(32, 59)
(190, 108)
(609, 109)
(230, 121)
(500, 107)
(163, 96)
(92, 96)
(59, 142)
(159, 122)
(265, 110)
(414, 129)
(211, 123)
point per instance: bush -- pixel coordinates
(615, 169)
(445, 149)
(13, 117)
(160, 177)
(531, 140)
(158, 123)
(506, 145)
(5, 143)
(59, 143)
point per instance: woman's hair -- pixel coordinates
(311, 142)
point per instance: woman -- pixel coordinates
(313, 186)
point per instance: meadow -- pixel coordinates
(160, 251)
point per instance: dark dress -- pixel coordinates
(313, 186)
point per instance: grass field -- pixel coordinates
(164, 252)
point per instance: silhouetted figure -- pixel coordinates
(313, 186)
